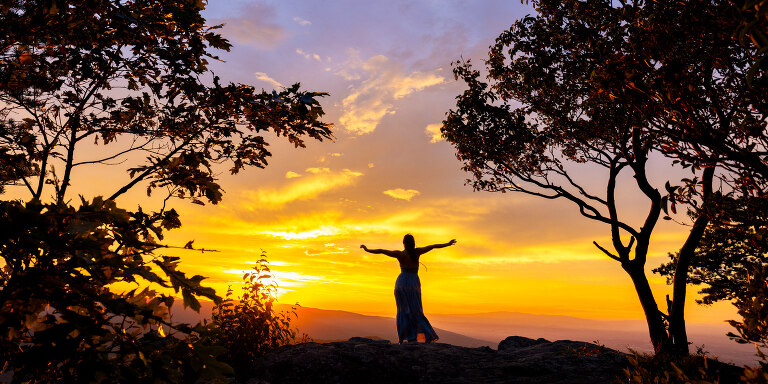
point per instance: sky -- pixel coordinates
(387, 68)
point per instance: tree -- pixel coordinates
(732, 264)
(604, 86)
(128, 79)
(731, 250)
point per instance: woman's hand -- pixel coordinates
(364, 247)
(452, 242)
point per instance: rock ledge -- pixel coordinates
(518, 360)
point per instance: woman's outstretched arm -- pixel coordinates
(423, 250)
(381, 251)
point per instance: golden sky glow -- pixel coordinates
(388, 69)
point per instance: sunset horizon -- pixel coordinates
(388, 172)
(404, 191)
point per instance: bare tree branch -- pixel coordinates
(131, 149)
(150, 170)
(611, 255)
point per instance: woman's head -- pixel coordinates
(409, 242)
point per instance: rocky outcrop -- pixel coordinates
(516, 342)
(518, 360)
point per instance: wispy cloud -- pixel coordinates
(265, 78)
(323, 159)
(326, 251)
(328, 225)
(433, 131)
(320, 181)
(322, 231)
(309, 56)
(402, 194)
(318, 170)
(285, 278)
(302, 22)
(273, 263)
(350, 68)
(291, 175)
(375, 98)
(254, 26)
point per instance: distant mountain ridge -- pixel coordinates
(333, 325)
(617, 334)
(324, 325)
(487, 329)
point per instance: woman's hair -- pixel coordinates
(410, 246)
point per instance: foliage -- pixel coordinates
(588, 349)
(665, 369)
(752, 16)
(90, 84)
(681, 66)
(249, 326)
(599, 87)
(134, 75)
(752, 305)
(56, 302)
(731, 263)
(729, 251)
(757, 375)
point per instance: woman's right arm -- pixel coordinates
(428, 248)
(380, 251)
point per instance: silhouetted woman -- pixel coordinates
(411, 321)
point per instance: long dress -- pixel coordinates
(410, 314)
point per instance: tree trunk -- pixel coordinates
(677, 332)
(656, 328)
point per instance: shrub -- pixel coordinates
(249, 327)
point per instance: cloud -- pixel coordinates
(272, 263)
(309, 56)
(349, 68)
(375, 98)
(265, 78)
(254, 26)
(322, 231)
(295, 279)
(322, 180)
(329, 249)
(327, 226)
(318, 170)
(323, 159)
(302, 22)
(402, 194)
(285, 278)
(433, 131)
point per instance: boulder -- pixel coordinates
(515, 342)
